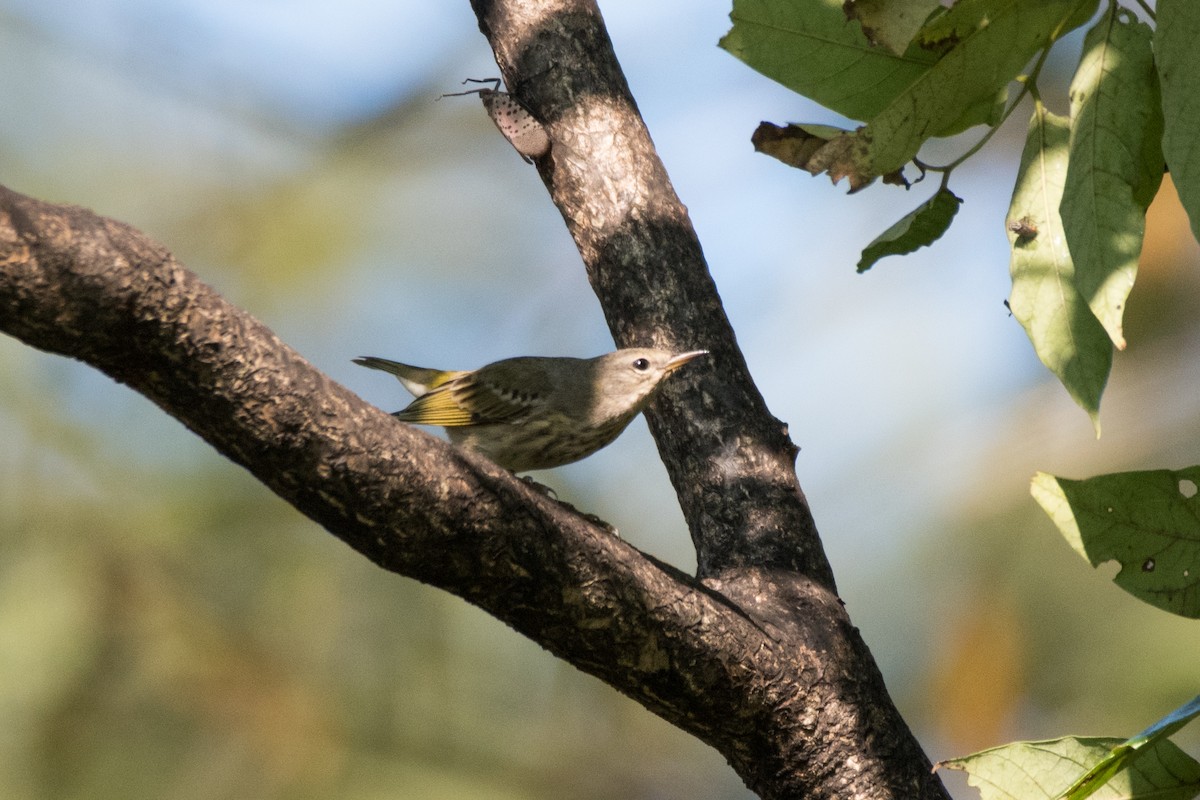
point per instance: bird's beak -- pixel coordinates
(678, 361)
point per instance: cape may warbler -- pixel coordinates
(536, 413)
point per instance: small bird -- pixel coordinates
(536, 413)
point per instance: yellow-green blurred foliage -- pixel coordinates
(176, 631)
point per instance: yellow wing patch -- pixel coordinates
(465, 400)
(436, 408)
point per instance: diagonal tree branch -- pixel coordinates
(81, 285)
(759, 660)
(729, 459)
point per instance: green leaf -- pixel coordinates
(1148, 522)
(954, 75)
(1124, 754)
(1116, 163)
(810, 47)
(1178, 60)
(891, 23)
(920, 227)
(990, 41)
(1041, 770)
(1066, 335)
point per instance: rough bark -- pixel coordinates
(732, 464)
(758, 659)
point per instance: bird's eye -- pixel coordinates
(641, 364)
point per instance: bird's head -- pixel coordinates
(625, 379)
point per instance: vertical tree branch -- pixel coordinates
(730, 461)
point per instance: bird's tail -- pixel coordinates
(418, 380)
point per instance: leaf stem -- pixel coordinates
(1028, 86)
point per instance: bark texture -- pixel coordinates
(732, 464)
(757, 657)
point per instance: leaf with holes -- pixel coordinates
(1041, 770)
(1148, 522)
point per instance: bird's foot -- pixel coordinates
(541, 487)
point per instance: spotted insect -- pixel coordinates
(527, 136)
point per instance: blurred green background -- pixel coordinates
(168, 628)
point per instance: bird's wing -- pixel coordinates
(437, 407)
(492, 401)
(467, 400)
